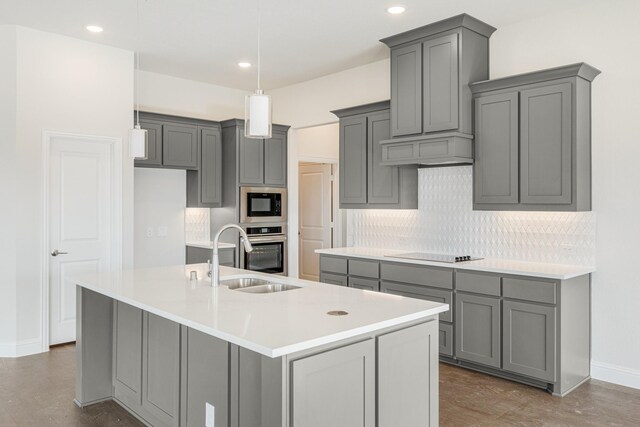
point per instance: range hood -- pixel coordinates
(431, 103)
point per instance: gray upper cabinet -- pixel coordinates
(353, 160)
(431, 109)
(335, 388)
(440, 73)
(364, 182)
(204, 186)
(258, 162)
(406, 89)
(275, 160)
(180, 146)
(477, 329)
(154, 144)
(533, 140)
(495, 174)
(251, 155)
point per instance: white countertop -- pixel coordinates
(208, 244)
(271, 324)
(492, 265)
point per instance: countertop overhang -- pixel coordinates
(489, 265)
(274, 324)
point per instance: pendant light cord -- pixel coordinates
(137, 76)
(259, 22)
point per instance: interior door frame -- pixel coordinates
(115, 145)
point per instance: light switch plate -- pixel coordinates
(210, 415)
(163, 231)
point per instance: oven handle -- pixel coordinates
(266, 239)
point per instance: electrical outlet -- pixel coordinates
(210, 417)
(163, 231)
(149, 231)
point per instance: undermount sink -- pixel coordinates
(256, 286)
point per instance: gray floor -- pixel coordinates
(38, 391)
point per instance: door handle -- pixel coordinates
(56, 252)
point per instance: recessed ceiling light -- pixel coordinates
(94, 28)
(396, 10)
(244, 64)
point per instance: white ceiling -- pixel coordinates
(301, 39)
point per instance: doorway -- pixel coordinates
(82, 207)
(316, 213)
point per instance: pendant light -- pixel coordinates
(138, 138)
(257, 106)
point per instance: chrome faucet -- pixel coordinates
(215, 260)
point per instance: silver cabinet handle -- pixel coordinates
(56, 252)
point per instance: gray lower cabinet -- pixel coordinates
(335, 388)
(204, 186)
(404, 398)
(127, 354)
(204, 378)
(533, 140)
(364, 182)
(477, 329)
(180, 146)
(364, 283)
(334, 279)
(445, 339)
(421, 292)
(529, 340)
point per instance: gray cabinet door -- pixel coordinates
(353, 160)
(545, 145)
(529, 343)
(205, 378)
(496, 178)
(333, 279)
(180, 146)
(161, 369)
(441, 83)
(210, 168)
(408, 377)
(336, 388)
(275, 160)
(406, 90)
(251, 159)
(154, 144)
(477, 329)
(382, 181)
(127, 376)
(362, 283)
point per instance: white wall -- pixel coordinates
(8, 212)
(67, 85)
(160, 199)
(180, 97)
(603, 34)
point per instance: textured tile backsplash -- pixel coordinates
(196, 225)
(446, 223)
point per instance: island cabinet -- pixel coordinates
(168, 374)
(431, 68)
(364, 182)
(533, 141)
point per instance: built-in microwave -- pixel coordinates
(263, 204)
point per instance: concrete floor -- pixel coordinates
(38, 391)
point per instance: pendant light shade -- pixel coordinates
(257, 117)
(138, 143)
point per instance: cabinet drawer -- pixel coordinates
(445, 340)
(333, 279)
(529, 290)
(421, 292)
(362, 283)
(333, 264)
(363, 268)
(417, 275)
(478, 283)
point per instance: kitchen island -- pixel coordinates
(173, 351)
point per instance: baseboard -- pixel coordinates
(22, 348)
(615, 374)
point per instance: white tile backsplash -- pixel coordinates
(446, 223)
(196, 225)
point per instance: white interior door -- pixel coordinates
(315, 216)
(80, 223)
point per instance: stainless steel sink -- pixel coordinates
(256, 286)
